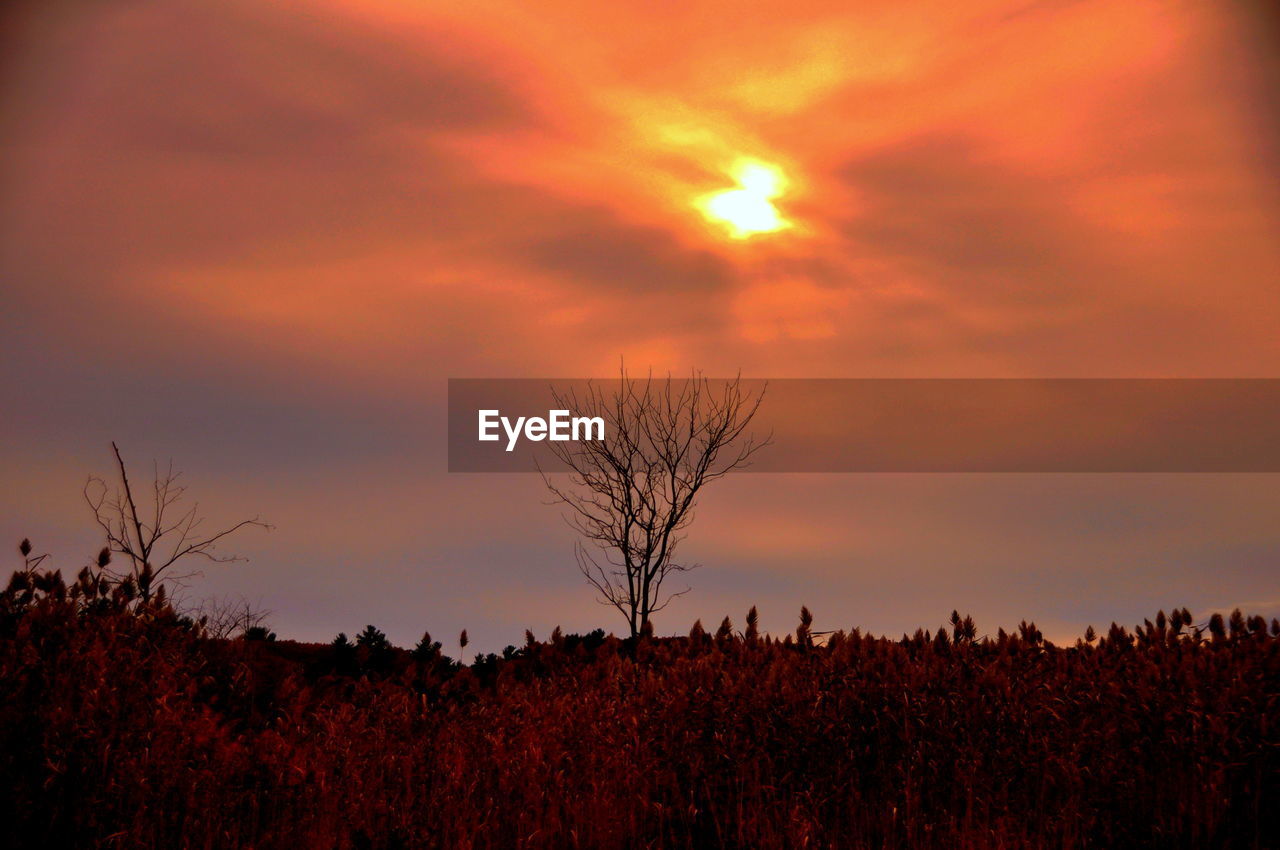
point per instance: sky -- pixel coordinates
(256, 239)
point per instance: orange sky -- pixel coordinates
(257, 237)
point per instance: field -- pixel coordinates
(123, 724)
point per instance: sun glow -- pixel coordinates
(749, 209)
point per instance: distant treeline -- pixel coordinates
(126, 724)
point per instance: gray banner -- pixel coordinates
(933, 425)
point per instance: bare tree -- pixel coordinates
(225, 617)
(631, 495)
(155, 535)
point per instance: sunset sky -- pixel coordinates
(257, 238)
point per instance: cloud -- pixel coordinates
(242, 79)
(938, 204)
(598, 252)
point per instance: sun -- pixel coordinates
(748, 209)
